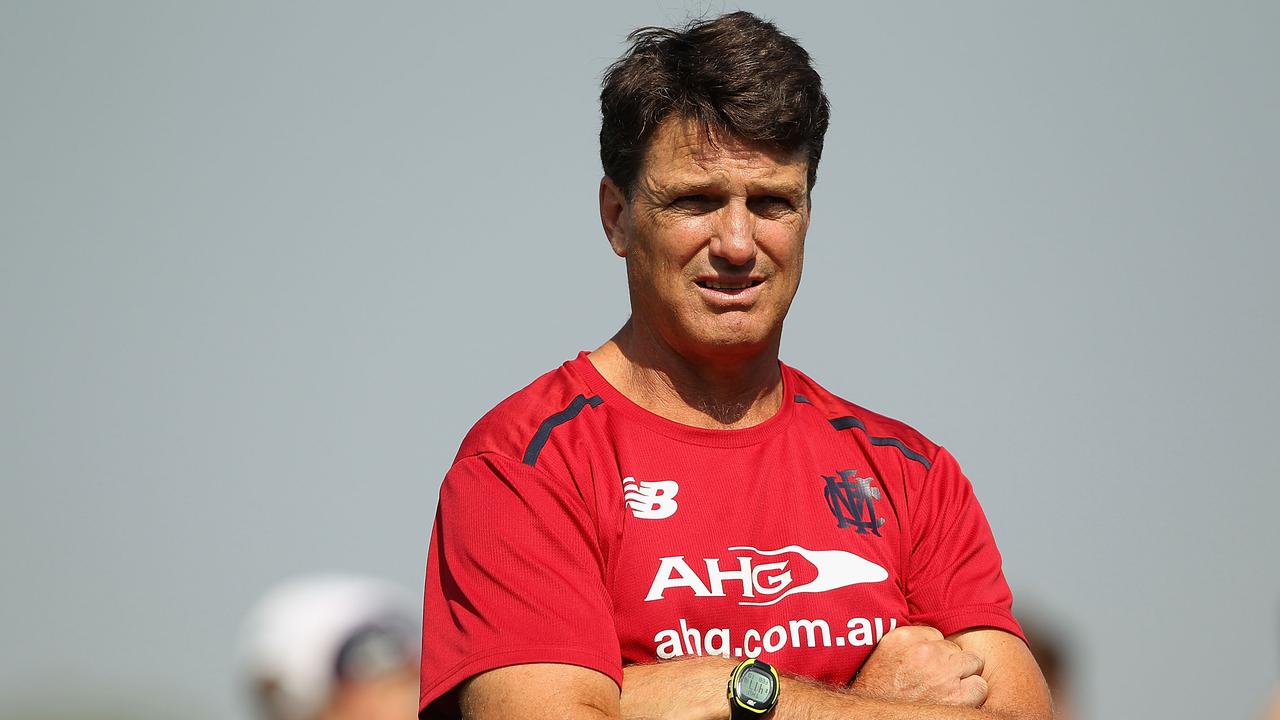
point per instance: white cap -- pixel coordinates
(293, 637)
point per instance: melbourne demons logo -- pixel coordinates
(853, 501)
(650, 499)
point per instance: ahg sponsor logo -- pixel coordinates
(769, 581)
(803, 633)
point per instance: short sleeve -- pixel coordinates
(515, 575)
(956, 581)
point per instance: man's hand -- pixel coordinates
(916, 664)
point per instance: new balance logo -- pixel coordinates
(650, 499)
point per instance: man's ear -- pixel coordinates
(613, 210)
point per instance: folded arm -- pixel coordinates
(1007, 685)
(1011, 687)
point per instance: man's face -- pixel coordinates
(713, 236)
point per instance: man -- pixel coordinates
(331, 647)
(678, 494)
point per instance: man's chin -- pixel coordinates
(730, 342)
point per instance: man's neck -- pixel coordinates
(721, 393)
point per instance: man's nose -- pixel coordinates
(734, 240)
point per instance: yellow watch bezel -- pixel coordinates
(737, 704)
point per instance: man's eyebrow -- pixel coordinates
(785, 189)
(693, 186)
(696, 186)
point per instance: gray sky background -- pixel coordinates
(262, 265)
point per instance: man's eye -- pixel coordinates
(770, 204)
(694, 202)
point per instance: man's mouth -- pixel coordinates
(729, 286)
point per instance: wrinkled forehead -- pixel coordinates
(687, 150)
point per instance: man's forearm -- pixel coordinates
(695, 689)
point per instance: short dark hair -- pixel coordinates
(735, 75)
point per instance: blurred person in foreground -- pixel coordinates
(678, 494)
(332, 647)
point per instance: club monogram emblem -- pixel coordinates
(853, 501)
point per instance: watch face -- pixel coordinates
(756, 685)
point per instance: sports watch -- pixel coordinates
(753, 690)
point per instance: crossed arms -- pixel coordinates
(914, 674)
